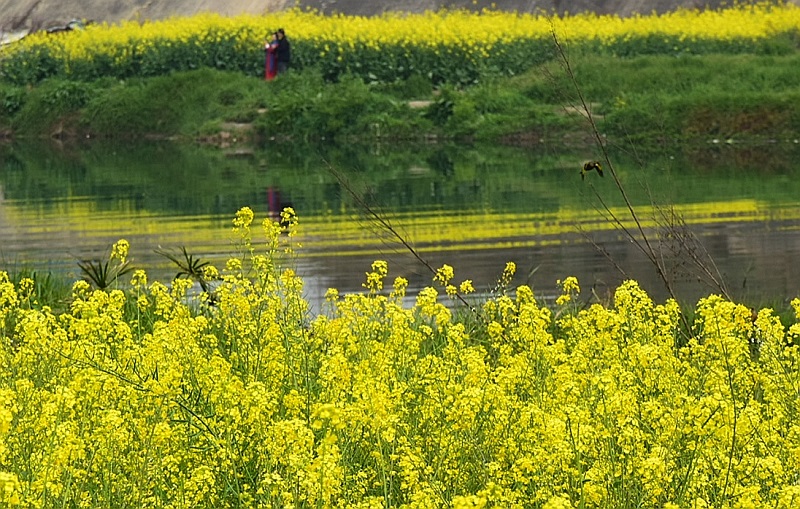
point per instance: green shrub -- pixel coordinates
(167, 105)
(12, 102)
(302, 105)
(49, 103)
(31, 66)
(415, 86)
(133, 109)
(442, 108)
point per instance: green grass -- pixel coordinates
(49, 289)
(686, 97)
(645, 98)
(169, 105)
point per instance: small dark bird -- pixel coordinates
(591, 165)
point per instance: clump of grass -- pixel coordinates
(106, 271)
(303, 105)
(169, 105)
(189, 267)
(49, 289)
(688, 97)
(55, 104)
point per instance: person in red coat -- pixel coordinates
(271, 58)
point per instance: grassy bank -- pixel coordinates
(302, 106)
(724, 73)
(648, 99)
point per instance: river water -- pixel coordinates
(713, 214)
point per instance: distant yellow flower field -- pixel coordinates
(455, 46)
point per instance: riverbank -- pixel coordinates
(647, 99)
(724, 75)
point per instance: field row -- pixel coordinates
(448, 46)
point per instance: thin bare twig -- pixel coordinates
(672, 223)
(644, 243)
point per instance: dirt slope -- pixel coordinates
(24, 15)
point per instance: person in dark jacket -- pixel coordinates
(283, 52)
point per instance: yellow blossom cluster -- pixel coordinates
(247, 399)
(455, 46)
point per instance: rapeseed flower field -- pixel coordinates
(447, 46)
(143, 395)
(146, 395)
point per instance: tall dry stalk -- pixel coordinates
(672, 243)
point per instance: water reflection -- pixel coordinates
(472, 207)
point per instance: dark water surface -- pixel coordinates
(473, 207)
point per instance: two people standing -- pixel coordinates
(278, 55)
